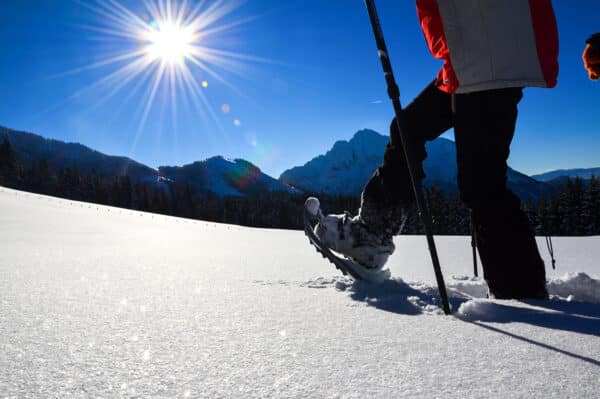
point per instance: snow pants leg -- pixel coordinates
(389, 190)
(484, 124)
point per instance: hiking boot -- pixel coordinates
(351, 237)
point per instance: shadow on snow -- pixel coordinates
(398, 297)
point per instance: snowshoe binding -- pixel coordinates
(315, 224)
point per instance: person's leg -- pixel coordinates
(389, 191)
(484, 128)
(367, 237)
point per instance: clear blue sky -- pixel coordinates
(318, 80)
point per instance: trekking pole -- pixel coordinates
(474, 245)
(394, 94)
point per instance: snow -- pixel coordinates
(104, 302)
(576, 286)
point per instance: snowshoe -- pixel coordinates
(348, 266)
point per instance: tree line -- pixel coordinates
(573, 209)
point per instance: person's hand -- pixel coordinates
(591, 56)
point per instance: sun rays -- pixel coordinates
(168, 49)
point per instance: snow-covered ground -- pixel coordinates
(103, 302)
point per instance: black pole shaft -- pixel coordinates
(474, 248)
(394, 95)
(474, 245)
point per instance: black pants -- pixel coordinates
(484, 124)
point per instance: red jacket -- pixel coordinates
(490, 44)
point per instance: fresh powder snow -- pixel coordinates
(105, 302)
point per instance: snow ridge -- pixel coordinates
(577, 287)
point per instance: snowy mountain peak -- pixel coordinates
(366, 138)
(342, 170)
(348, 165)
(364, 143)
(223, 177)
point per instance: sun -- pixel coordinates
(160, 53)
(169, 42)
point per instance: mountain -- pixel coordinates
(216, 175)
(564, 173)
(31, 148)
(346, 168)
(223, 177)
(343, 169)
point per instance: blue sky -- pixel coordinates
(313, 78)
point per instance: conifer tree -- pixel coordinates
(591, 207)
(9, 166)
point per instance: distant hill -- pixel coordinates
(216, 175)
(223, 177)
(564, 173)
(31, 148)
(346, 168)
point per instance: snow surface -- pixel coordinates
(103, 302)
